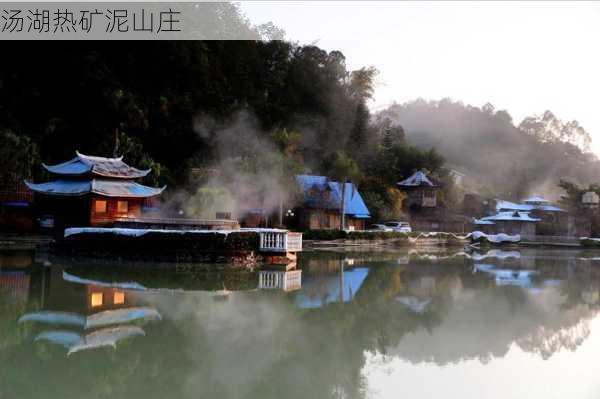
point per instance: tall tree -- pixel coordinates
(344, 170)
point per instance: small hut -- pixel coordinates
(91, 191)
(421, 191)
(590, 200)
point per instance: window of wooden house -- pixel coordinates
(96, 299)
(118, 298)
(429, 194)
(122, 207)
(100, 206)
(314, 192)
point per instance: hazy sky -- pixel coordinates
(524, 57)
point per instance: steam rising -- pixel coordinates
(247, 174)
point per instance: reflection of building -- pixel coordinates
(15, 278)
(14, 285)
(92, 191)
(104, 298)
(83, 316)
(282, 280)
(320, 290)
(321, 204)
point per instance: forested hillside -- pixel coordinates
(241, 117)
(497, 156)
(228, 121)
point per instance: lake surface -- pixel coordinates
(496, 324)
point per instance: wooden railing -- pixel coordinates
(280, 241)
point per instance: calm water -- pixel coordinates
(500, 324)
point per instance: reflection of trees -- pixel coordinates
(484, 320)
(259, 345)
(545, 341)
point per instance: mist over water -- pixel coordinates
(361, 323)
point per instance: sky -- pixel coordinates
(524, 57)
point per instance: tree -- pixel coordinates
(207, 201)
(18, 155)
(344, 170)
(357, 144)
(548, 128)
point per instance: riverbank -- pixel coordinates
(336, 238)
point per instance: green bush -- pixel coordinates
(324, 235)
(589, 243)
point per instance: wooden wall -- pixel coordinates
(134, 210)
(322, 219)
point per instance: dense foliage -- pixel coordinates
(240, 115)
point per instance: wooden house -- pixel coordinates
(425, 212)
(15, 205)
(320, 208)
(552, 220)
(590, 200)
(92, 191)
(509, 222)
(421, 191)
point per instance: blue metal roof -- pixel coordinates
(107, 167)
(109, 188)
(354, 204)
(318, 291)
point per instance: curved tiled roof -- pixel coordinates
(99, 166)
(107, 188)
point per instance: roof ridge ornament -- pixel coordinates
(88, 157)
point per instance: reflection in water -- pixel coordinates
(340, 287)
(374, 326)
(103, 337)
(289, 280)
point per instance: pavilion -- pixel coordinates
(91, 191)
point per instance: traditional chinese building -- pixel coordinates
(91, 191)
(320, 208)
